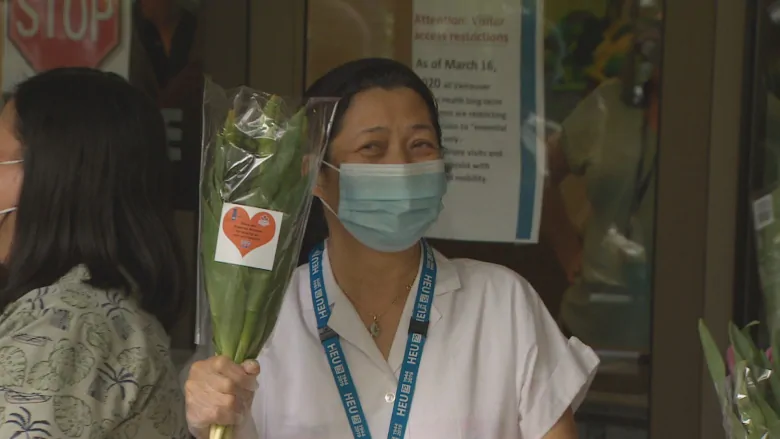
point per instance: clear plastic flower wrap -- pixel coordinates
(261, 155)
(748, 388)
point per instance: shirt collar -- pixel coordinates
(447, 280)
(345, 321)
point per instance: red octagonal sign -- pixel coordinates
(64, 33)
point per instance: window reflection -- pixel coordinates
(610, 140)
(167, 33)
(167, 63)
(599, 218)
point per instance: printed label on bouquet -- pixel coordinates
(248, 236)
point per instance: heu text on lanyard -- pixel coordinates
(331, 342)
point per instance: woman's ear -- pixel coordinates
(308, 166)
(318, 189)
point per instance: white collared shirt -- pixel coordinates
(495, 364)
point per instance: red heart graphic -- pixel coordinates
(248, 234)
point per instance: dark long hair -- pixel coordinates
(95, 190)
(344, 82)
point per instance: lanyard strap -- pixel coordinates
(331, 342)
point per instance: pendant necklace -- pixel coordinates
(374, 329)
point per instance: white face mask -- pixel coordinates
(4, 212)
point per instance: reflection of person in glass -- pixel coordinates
(167, 64)
(167, 32)
(610, 140)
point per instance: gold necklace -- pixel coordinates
(374, 329)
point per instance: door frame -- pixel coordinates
(698, 191)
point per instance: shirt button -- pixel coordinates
(390, 397)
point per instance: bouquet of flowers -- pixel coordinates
(261, 155)
(747, 387)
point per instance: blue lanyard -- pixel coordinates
(418, 331)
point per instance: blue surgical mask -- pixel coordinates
(3, 212)
(390, 207)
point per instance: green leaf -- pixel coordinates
(714, 360)
(737, 429)
(756, 394)
(760, 365)
(758, 374)
(746, 405)
(746, 329)
(774, 429)
(746, 348)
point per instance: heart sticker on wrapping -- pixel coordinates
(247, 233)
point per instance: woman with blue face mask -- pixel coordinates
(380, 335)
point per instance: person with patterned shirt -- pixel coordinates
(91, 270)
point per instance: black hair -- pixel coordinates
(344, 82)
(347, 80)
(95, 190)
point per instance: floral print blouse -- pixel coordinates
(80, 362)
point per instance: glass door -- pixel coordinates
(589, 77)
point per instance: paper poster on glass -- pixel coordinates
(484, 63)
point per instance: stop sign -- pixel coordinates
(64, 33)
